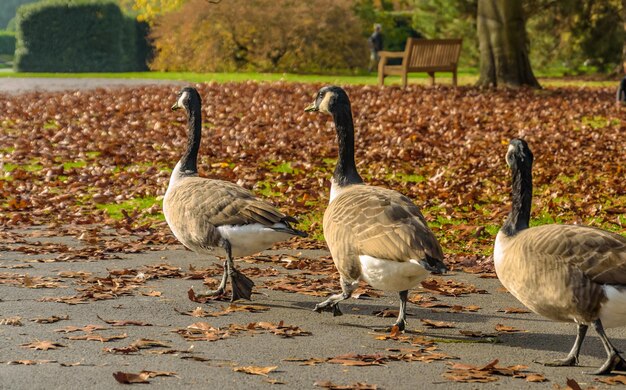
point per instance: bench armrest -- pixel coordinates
(391, 54)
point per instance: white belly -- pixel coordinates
(498, 254)
(249, 239)
(391, 275)
(613, 311)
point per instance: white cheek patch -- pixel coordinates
(509, 152)
(182, 98)
(325, 102)
(510, 149)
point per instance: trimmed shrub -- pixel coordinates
(7, 42)
(76, 36)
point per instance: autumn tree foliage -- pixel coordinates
(259, 35)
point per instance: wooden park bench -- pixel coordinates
(422, 55)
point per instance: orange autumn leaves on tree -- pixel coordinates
(265, 35)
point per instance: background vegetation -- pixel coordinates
(77, 36)
(566, 37)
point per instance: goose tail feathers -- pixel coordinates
(434, 265)
(289, 230)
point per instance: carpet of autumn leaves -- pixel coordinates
(67, 157)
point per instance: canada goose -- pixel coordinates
(218, 217)
(374, 234)
(562, 272)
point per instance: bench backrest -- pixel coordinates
(425, 54)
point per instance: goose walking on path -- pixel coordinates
(374, 234)
(566, 273)
(218, 217)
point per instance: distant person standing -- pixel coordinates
(621, 92)
(375, 42)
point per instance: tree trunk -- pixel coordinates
(624, 46)
(503, 45)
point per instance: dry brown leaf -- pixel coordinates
(50, 320)
(612, 380)
(255, 370)
(130, 378)
(514, 310)
(30, 362)
(123, 322)
(355, 386)
(97, 337)
(437, 324)
(507, 329)
(86, 328)
(535, 378)
(43, 345)
(13, 321)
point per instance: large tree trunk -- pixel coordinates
(503, 44)
(624, 47)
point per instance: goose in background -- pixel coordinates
(374, 234)
(218, 217)
(566, 273)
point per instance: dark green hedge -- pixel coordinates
(7, 42)
(78, 36)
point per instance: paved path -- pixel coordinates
(210, 364)
(17, 85)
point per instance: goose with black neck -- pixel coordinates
(567, 273)
(374, 234)
(216, 217)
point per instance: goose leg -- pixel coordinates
(401, 321)
(613, 361)
(572, 356)
(220, 289)
(240, 283)
(332, 303)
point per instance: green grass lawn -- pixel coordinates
(466, 77)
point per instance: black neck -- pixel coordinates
(189, 160)
(519, 217)
(345, 170)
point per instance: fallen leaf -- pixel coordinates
(437, 324)
(130, 378)
(42, 345)
(507, 329)
(13, 321)
(355, 386)
(50, 320)
(535, 378)
(30, 362)
(97, 337)
(255, 370)
(124, 322)
(386, 313)
(514, 310)
(612, 380)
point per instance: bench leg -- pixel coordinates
(404, 80)
(381, 78)
(432, 78)
(454, 81)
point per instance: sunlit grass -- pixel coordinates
(114, 210)
(599, 122)
(466, 77)
(33, 167)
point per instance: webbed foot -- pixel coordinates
(242, 286)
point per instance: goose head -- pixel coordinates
(329, 100)
(187, 97)
(519, 155)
